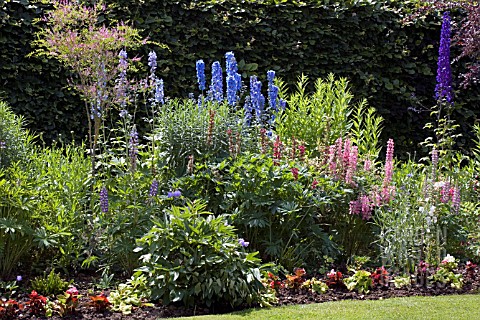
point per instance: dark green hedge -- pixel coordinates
(390, 64)
(34, 87)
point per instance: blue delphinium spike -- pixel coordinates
(443, 89)
(201, 74)
(216, 87)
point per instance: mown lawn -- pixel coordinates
(441, 307)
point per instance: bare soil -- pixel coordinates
(285, 297)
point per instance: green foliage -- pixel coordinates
(360, 281)
(365, 130)
(403, 226)
(35, 87)
(51, 284)
(182, 130)
(134, 293)
(315, 285)
(402, 281)
(275, 211)
(8, 289)
(42, 206)
(190, 256)
(386, 61)
(130, 211)
(319, 118)
(17, 222)
(476, 149)
(62, 172)
(445, 273)
(15, 141)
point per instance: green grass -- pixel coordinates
(442, 307)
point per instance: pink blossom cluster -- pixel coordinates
(449, 194)
(294, 173)
(446, 192)
(211, 124)
(230, 142)
(342, 160)
(434, 162)
(365, 203)
(456, 199)
(297, 151)
(293, 153)
(388, 191)
(234, 146)
(388, 164)
(363, 206)
(367, 165)
(263, 141)
(301, 150)
(277, 151)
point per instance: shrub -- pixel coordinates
(191, 256)
(15, 141)
(319, 118)
(62, 176)
(183, 129)
(276, 208)
(17, 219)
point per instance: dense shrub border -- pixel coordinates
(390, 64)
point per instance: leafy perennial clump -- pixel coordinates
(192, 257)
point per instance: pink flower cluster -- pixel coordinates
(364, 204)
(277, 151)
(342, 160)
(297, 149)
(449, 193)
(294, 173)
(434, 162)
(233, 146)
(388, 164)
(264, 141)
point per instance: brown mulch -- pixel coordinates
(285, 297)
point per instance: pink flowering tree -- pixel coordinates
(72, 34)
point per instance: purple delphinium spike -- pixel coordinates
(257, 99)
(232, 78)
(272, 97)
(152, 62)
(201, 74)
(272, 91)
(159, 94)
(232, 71)
(153, 188)
(104, 200)
(133, 150)
(122, 82)
(123, 64)
(238, 80)
(232, 67)
(443, 89)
